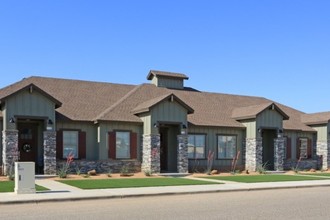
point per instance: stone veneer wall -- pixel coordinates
(279, 154)
(323, 149)
(253, 153)
(304, 164)
(10, 150)
(50, 152)
(182, 165)
(151, 153)
(101, 166)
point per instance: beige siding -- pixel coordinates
(27, 104)
(322, 132)
(251, 128)
(112, 126)
(91, 136)
(148, 128)
(269, 119)
(211, 144)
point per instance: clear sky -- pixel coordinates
(278, 49)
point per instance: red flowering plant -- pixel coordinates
(210, 159)
(63, 171)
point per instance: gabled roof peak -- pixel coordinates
(157, 73)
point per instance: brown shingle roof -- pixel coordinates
(92, 101)
(252, 111)
(145, 106)
(316, 118)
(153, 73)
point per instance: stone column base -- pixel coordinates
(182, 165)
(151, 153)
(50, 152)
(10, 152)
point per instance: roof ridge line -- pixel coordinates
(118, 102)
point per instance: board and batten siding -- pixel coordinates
(293, 135)
(322, 132)
(211, 144)
(1, 129)
(168, 111)
(168, 82)
(106, 127)
(91, 136)
(269, 119)
(251, 128)
(29, 104)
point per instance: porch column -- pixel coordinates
(323, 149)
(253, 154)
(10, 152)
(151, 153)
(50, 152)
(182, 153)
(278, 154)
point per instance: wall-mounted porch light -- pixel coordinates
(259, 130)
(12, 120)
(156, 125)
(50, 122)
(183, 129)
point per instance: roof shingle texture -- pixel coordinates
(92, 101)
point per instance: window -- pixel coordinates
(196, 146)
(227, 146)
(70, 143)
(303, 142)
(123, 145)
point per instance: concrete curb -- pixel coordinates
(80, 198)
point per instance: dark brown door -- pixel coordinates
(163, 148)
(28, 141)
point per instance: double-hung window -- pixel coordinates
(70, 144)
(123, 145)
(227, 145)
(196, 146)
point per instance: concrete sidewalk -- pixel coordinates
(63, 192)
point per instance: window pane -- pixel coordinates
(200, 146)
(303, 147)
(70, 143)
(226, 147)
(123, 145)
(196, 146)
(191, 146)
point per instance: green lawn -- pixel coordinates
(316, 174)
(8, 186)
(263, 178)
(134, 182)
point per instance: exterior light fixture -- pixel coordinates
(50, 122)
(259, 130)
(12, 120)
(156, 125)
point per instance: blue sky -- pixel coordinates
(277, 49)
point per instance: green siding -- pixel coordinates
(106, 127)
(167, 82)
(294, 136)
(28, 104)
(169, 112)
(91, 136)
(1, 129)
(211, 144)
(269, 119)
(148, 127)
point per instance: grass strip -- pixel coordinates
(263, 178)
(8, 186)
(316, 174)
(134, 182)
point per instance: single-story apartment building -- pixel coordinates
(161, 126)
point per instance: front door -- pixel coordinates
(28, 142)
(268, 138)
(163, 149)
